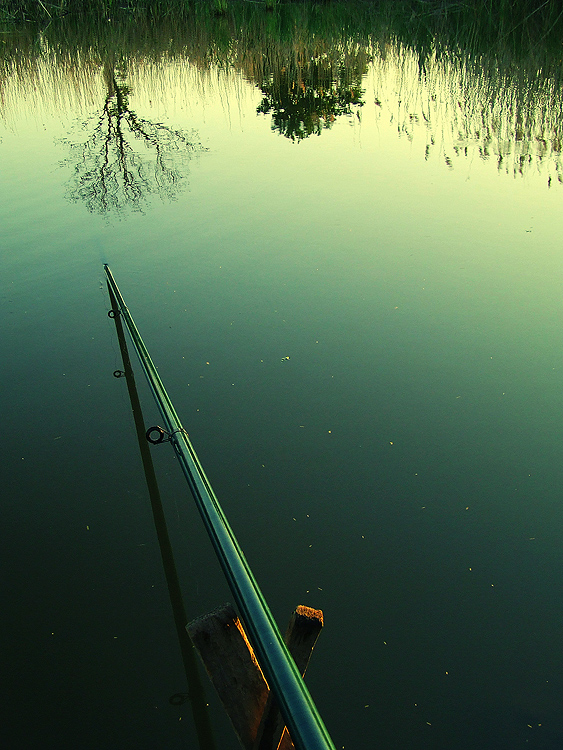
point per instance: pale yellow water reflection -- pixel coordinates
(453, 110)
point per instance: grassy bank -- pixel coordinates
(509, 32)
(530, 17)
(504, 37)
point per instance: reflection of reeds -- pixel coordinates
(35, 77)
(461, 106)
(477, 73)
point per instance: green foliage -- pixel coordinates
(509, 30)
(221, 6)
(494, 18)
(507, 33)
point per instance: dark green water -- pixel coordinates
(353, 296)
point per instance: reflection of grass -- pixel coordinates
(459, 108)
(489, 72)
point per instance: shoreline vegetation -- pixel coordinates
(524, 19)
(506, 34)
(494, 66)
(502, 34)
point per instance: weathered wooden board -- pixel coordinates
(233, 669)
(235, 673)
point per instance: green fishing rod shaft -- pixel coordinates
(301, 716)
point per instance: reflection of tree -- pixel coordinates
(304, 99)
(126, 158)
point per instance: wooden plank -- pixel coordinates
(235, 673)
(233, 669)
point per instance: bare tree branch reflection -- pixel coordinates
(126, 158)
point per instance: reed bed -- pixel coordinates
(496, 17)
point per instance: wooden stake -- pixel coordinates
(233, 669)
(235, 673)
(301, 635)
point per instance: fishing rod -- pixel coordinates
(301, 716)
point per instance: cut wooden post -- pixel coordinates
(235, 673)
(300, 637)
(233, 669)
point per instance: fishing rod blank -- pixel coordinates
(302, 718)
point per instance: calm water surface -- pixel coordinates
(357, 314)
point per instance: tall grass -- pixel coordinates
(523, 33)
(506, 34)
(495, 17)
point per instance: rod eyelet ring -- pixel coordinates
(113, 313)
(162, 435)
(118, 373)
